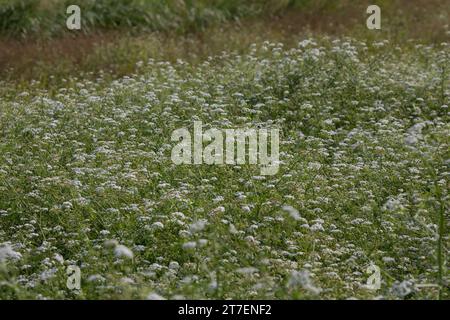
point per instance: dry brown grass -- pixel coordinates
(117, 52)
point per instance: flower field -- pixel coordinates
(86, 178)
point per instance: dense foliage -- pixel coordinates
(86, 178)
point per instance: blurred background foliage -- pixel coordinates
(116, 34)
(47, 17)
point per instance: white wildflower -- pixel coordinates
(7, 252)
(292, 212)
(197, 226)
(303, 279)
(155, 296)
(120, 251)
(247, 270)
(189, 245)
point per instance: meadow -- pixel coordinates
(87, 179)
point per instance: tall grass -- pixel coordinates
(25, 17)
(18, 16)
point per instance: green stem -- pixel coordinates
(439, 247)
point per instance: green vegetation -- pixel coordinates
(46, 18)
(40, 17)
(364, 168)
(86, 176)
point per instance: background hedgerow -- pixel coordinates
(47, 17)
